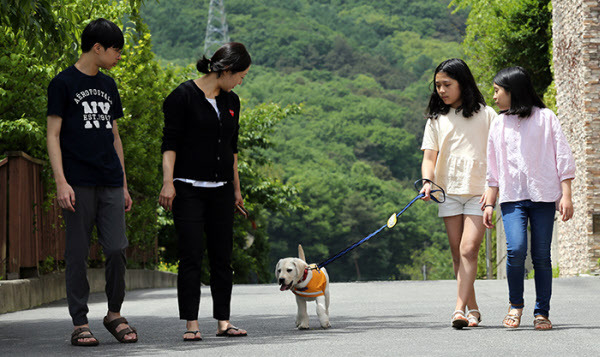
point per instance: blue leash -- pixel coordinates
(420, 195)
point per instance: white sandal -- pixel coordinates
(473, 321)
(459, 320)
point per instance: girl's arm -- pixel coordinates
(565, 163)
(565, 166)
(566, 204)
(428, 171)
(490, 202)
(490, 195)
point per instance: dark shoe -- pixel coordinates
(192, 339)
(227, 334)
(79, 334)
(120, 336)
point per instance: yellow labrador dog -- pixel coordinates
(307, 284)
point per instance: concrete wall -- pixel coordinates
(576, 34)
(23, 294)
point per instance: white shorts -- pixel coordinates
(460, 204)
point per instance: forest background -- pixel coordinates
(333, 112)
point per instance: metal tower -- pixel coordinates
(216, 28)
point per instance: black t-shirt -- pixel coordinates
(88, 105)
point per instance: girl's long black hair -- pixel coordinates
(516, 82)
(472, 99)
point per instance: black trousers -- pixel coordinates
(204, 219)
(104, 207)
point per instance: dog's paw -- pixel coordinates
(326, 325)
(302, 324)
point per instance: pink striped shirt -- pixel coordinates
(528, 158)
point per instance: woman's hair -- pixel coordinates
(232, 56)
(517, 83)
(471, 97)
(104, 32)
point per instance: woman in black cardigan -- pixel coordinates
(201, 183)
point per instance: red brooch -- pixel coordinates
(231, 112)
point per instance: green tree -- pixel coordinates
(143, 84)
(505, 33)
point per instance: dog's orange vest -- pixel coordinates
(316, 285)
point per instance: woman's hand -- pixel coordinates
(238, 199)
(167, 195)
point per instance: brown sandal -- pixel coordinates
(120, 335)
(516, 318)
(541, 322)
(79, 334)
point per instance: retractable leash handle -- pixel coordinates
(392, 220)
(441, 196)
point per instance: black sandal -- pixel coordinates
(192, 339)
(120, 335)
(78, 334)
(227, 334)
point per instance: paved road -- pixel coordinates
(408, 318)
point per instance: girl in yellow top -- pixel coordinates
(454, 156)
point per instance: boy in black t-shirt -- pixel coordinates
(86, 154)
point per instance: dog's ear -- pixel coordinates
(277, 269)
(300, 266)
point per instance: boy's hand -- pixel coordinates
(65, 196)
(128, 200)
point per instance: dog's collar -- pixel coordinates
(304, 276)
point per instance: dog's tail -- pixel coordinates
(301, 252)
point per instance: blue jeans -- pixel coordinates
(541, 217)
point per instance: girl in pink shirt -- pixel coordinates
(531, 165)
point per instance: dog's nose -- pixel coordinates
(281, 281)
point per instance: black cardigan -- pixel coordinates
(204, 144)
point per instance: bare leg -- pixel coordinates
(472, 236)
(454, 228)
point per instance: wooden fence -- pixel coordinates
(32, 230)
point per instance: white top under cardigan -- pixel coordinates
(206, 184)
